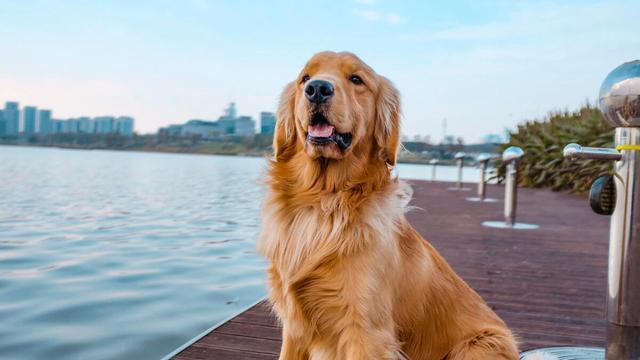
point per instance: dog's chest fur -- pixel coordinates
(294, 237)
(313, 247)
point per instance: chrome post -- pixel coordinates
(483, 162)
(620, 103)
(459, 157)
(623, 306)
(434, 163)
(460, 161)
(511, 157)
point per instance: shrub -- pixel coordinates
(543, 140)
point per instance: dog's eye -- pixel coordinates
(356, 79)
(305, 78)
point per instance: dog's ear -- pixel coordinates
(284, 135)
(387, 128)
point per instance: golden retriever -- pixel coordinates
(349, 277)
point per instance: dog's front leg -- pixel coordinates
(360, 344)
(365, 328)
(291, 348)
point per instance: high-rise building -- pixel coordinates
(227, 125)
(56, 126)
(65, 126)
(267, 122)
(245, 126)
(3, 127)
(231, 112)
(44, 122)
(87, 125)
(29, 120)
(104, 124)
(203, 128)
(174, 130)
(73, 126)
(11, 116)
(124, 125)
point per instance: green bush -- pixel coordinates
(542, 141)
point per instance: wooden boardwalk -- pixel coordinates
(548, 284)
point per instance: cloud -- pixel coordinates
(394, 19)
(366, 14)
(372, 15)
(532, 22)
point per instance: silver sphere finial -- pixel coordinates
(482, 157)
(459, 155)
(571, 151)
(620, 95)
(512, 153)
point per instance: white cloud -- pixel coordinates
(394, 19)
(532, 21)
(366, 14)
(372, 15)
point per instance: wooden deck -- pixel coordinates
(547, 284)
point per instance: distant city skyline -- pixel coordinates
(228, 124)
(202, 127)
(31, 120)
(483, 65)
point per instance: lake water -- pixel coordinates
(126, 255)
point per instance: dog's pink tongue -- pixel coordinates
(320, 130)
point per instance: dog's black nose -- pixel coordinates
(318, 91)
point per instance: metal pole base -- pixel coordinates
(477, 199)
(564, 353)
(458, 189)
(506, 225)
(623, 342)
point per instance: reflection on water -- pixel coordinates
(122, 255)
(127, 255)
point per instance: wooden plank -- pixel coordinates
(245, 343)
(548, 285)
(196, 352)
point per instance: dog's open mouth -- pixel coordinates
(321, 132)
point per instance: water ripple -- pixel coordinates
(115, 255)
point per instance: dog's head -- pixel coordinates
(337, 107)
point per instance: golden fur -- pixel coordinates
(349, 277)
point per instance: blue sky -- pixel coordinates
(482, 65)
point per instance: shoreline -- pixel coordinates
(201, 151)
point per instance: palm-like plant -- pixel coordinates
(542, 141)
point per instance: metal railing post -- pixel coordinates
(459, 157)
(434, 164)
(620, 103)
(618, 195)
(482, 185)
(511, 157)
(460, 162)
(483, 162)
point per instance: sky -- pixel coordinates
(484, 66)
